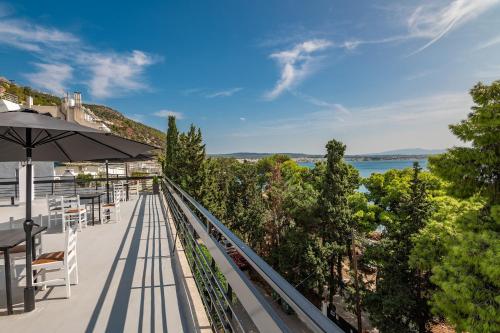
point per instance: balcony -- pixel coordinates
(169, 265)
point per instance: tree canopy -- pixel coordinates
(427, 240)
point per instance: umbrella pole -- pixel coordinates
(126, 180)
(107, 182)
(29, 290)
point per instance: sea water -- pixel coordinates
(366, 168)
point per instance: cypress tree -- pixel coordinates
(171, 149)
(338, 184)
(190, 160)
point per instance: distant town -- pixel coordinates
(402, 154)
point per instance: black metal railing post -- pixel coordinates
(107, 182)
(229, 295)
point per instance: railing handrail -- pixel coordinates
(312, 316)
(69, 179)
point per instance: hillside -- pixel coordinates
(117, 122)
(302, 156)
(246, 155)
(126, 127)
(22, 92)
(412, 151)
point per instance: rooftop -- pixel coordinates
(133, 278)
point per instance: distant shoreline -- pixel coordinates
(315, 158)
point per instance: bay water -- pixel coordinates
(366, 168)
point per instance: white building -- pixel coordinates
(71, 109)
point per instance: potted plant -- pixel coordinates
(156, 185)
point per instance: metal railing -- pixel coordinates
(224, 287)
(67, 186)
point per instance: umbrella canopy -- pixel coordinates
(30, 136)
(141, 157)
(53, 139)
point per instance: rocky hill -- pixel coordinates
(116, 121)
(126, 127)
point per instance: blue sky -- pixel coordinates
(265, 76)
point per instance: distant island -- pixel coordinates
(400, 154)
(412, 151)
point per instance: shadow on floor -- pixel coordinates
(146, 215)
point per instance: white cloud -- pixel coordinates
(243, 118)
(489, 72)
(421, 122)
(434, 20)
(224, 93)
(296, 64)
(430, 21)
(321, 103)
(51, 77)
(166, 113)
(115, 73)
(209, 93)
(31, 37)
(353, 44)
(106, 73)
(492, 42)
(419, 75)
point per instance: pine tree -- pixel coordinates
(399, 302)
(245, 204)
(468, 276)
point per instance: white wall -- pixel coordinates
(22, 183)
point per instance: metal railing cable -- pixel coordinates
(190, 210)
(217, 293)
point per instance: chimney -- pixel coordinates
(78, 99)
(29, 102)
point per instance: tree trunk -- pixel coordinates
(339, 273)
(331, 285)
(421, 317)
(354, 262)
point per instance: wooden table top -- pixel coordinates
(91, 195)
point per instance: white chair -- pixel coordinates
(15, 253)
(55, 208)
(111, 211)
(65, 261)
(73, 212)
(133, 188)
(122, 189)
(18, 252)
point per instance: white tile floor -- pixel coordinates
(128, 282)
